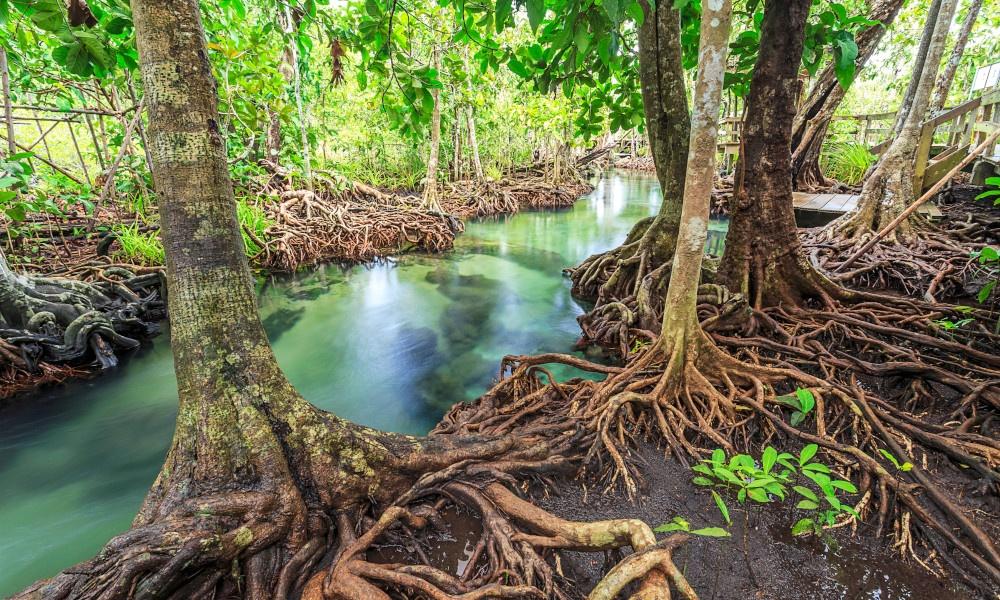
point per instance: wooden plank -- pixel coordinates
(939, 167)
(842, 203)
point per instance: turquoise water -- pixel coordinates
(390, 346)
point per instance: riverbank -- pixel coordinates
(284, 231)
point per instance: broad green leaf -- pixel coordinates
(807, 453)
(768, 458)
(807, 505)
(806, 492)
(802, 526)
(504, 9)
(758, 495)
(845, 485)
(702, 481)
(536, 13)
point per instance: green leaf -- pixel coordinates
(816, 468)
(807, 453)
(536, 13)
(807, 505)
(806, 400)
(702, 481)
(806, 492)
(802, 526)
(504, 9)
(518, 68)
(726, 475)
(845, 485)
(722, 507)
(845, 51)
(718, 456)
(613, 8)
(985, 292)
(797, 418)
(758, 495)
(768, 458)
(711, 532)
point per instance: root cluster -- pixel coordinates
(526, 190)
(53, 328)
(310, 228)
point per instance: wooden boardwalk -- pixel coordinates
(841, 203)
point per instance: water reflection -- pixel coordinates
(389, 346)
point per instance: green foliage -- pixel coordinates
(802, 401)
(776, 476)
(17, 198)
(847, 162)
(989, 257)
(994, 193)
(139, 247)
(681, 524)
(901, 466)
(253, 224)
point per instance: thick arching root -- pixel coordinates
(279, 541)
(48, 322)
(704, 397)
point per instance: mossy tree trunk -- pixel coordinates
(814, 114)
(637, 272)
(889, 189)
(433, 154)
(680, 316)
(253, 470)
(763, 257)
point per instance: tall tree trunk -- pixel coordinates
(668, 125)
(253, 470)
(431, 185)
(291, 25)
(814, 114)
(763, 257)
(7, 106)
(477, 163)
(890, 187)
(639, 268)
(948, 75)
(680, 315)
(919, 65)
(456, 136)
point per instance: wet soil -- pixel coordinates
(761, 560)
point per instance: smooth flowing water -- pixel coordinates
(390, 346)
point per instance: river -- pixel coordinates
(390, 346)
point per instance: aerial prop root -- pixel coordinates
(703, 397)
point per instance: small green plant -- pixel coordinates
(139, 247)
(776, 475)
(17, 199)
(847, 162)
(989, 257)
(802, 401)
(253, 225)
(904, 467)
(681, 524)
(994, 193)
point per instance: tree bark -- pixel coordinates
(763, 257)
(477, 163)
(680, 315)
(430, 185)
(890, 187)
(919, 65)
(253, 469)
(814, 114)
(668, 124)
(948, 75)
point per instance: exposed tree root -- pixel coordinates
(53, 328)
(310, 228)
(305, 522)
(930, 260)
(526, 191)
(883, 378)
